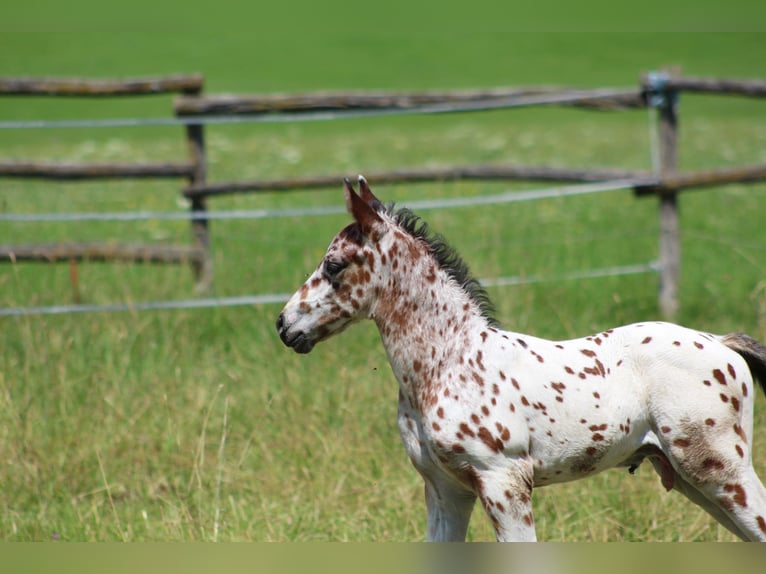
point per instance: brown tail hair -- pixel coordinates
(752, 351)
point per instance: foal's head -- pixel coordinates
(341, 289)
(381, 265)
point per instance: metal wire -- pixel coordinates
(274, 298)
(425, 204)
(273, 117)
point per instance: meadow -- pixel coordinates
(198, 425)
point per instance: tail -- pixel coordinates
(752, 351)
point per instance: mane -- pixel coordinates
(447, 257)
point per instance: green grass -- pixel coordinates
(200, 425)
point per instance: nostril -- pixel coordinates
(280, 322)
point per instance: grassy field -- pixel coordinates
(199, 425)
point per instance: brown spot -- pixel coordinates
(706, 383)
(735, 403)
(485, 410)
(594, 428)
(724, 398)
(665, 429)
(436, 426)
(558, 387)
(699, 345)
(502, 375)
(740, 431)
(479, 360)
(484, 336)
(710, 422)
(761, 523)
(591, 450)
(458, 449)
(731, 371)
(596, 395)
(682, 442)
(416, 366)
(739, 450)
(740, 496)
(522, 342)
(569, 370)
(645, 341)
(464, 428)
(597, 437)
(475, 419)
(528, 519)
(744, 390)
(712, 464)
(677, 343)
(515, 384)
(588, 352)
(719, 376)
(478, 378)
(486, 437)
(524, 401)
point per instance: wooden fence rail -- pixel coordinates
(751, 88)
(426, 174)
(78, 171)
(85, 87)
(452, 101)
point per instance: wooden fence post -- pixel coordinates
(665, 101)
(203, 266)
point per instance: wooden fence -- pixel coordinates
(193, 109)
(193, 170)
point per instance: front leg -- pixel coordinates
(506, 495)
(449, 511)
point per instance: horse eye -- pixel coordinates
(332, 268)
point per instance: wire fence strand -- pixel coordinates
(425, 204)
(275, 298)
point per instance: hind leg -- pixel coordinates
(713, 469)
(672, 480)
(742, 499)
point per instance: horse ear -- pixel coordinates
(364, 214)
(367, 195)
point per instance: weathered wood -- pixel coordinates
(232, 104)
(702, 179)
(58, 252)
(423, 174)
(200, 228)
(86, 87)
(670, 233)
(78, 171)
(751, 88)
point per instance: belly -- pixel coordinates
(584, 446)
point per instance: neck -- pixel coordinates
(426, 322)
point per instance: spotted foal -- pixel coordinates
(491, 414)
